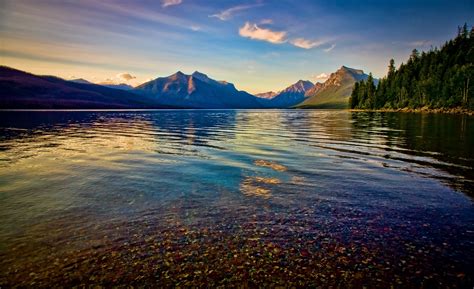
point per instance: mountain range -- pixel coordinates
(122, 86)
(333, 93)
(196, 91)
(25, 90)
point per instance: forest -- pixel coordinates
(439, 78)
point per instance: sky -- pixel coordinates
(259, 45)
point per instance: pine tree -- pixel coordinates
(438, 78)
(354, 96)
(391, 68)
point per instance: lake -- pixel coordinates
(236, 197)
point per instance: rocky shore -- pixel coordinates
(454, 110)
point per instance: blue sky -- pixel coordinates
(258, 45)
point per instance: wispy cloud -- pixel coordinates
(330, 48)
(266, 21)
(414, 43)
(166, 3)
(420, 43)
(252, 31)
(228, 13)
(125, 76)
(64, 60)
(127, 9)
(305, 43)
(195, 28)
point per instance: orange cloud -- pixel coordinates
(252, 31)
(322, 76)
(125, 76)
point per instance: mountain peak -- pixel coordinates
(200, 76)
(290, 96)
(178, 76)
(336, 89)
(197, 73)
(299, 86)
(305, 82)
(350, 70)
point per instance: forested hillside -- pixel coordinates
(439, 78)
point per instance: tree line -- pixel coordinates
(439, 78)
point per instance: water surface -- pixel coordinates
(228, 197)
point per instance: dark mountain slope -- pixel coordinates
(20, 89)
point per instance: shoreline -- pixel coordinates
(455, 110)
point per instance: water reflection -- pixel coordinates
(258, 186)
(444, 142)
(156, 187)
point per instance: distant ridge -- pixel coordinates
(25, 90)
(122, 86)
(267, 95)
(289, 96)
(81, 80)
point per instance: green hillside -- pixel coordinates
(336, 90)
(333, 97)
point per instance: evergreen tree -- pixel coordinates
(354, 96)
(438, 78)
(391, 68)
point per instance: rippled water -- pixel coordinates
(188, 197)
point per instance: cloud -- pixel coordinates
(130, 9)
(228, 13)
(420, 43)
(166, 3)
(306, 44)
(322, 76)
(252, 31)
(195, 28)
(330, 48)
(107, 81)
(125, 76)
(266, 21)
(118, 79)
